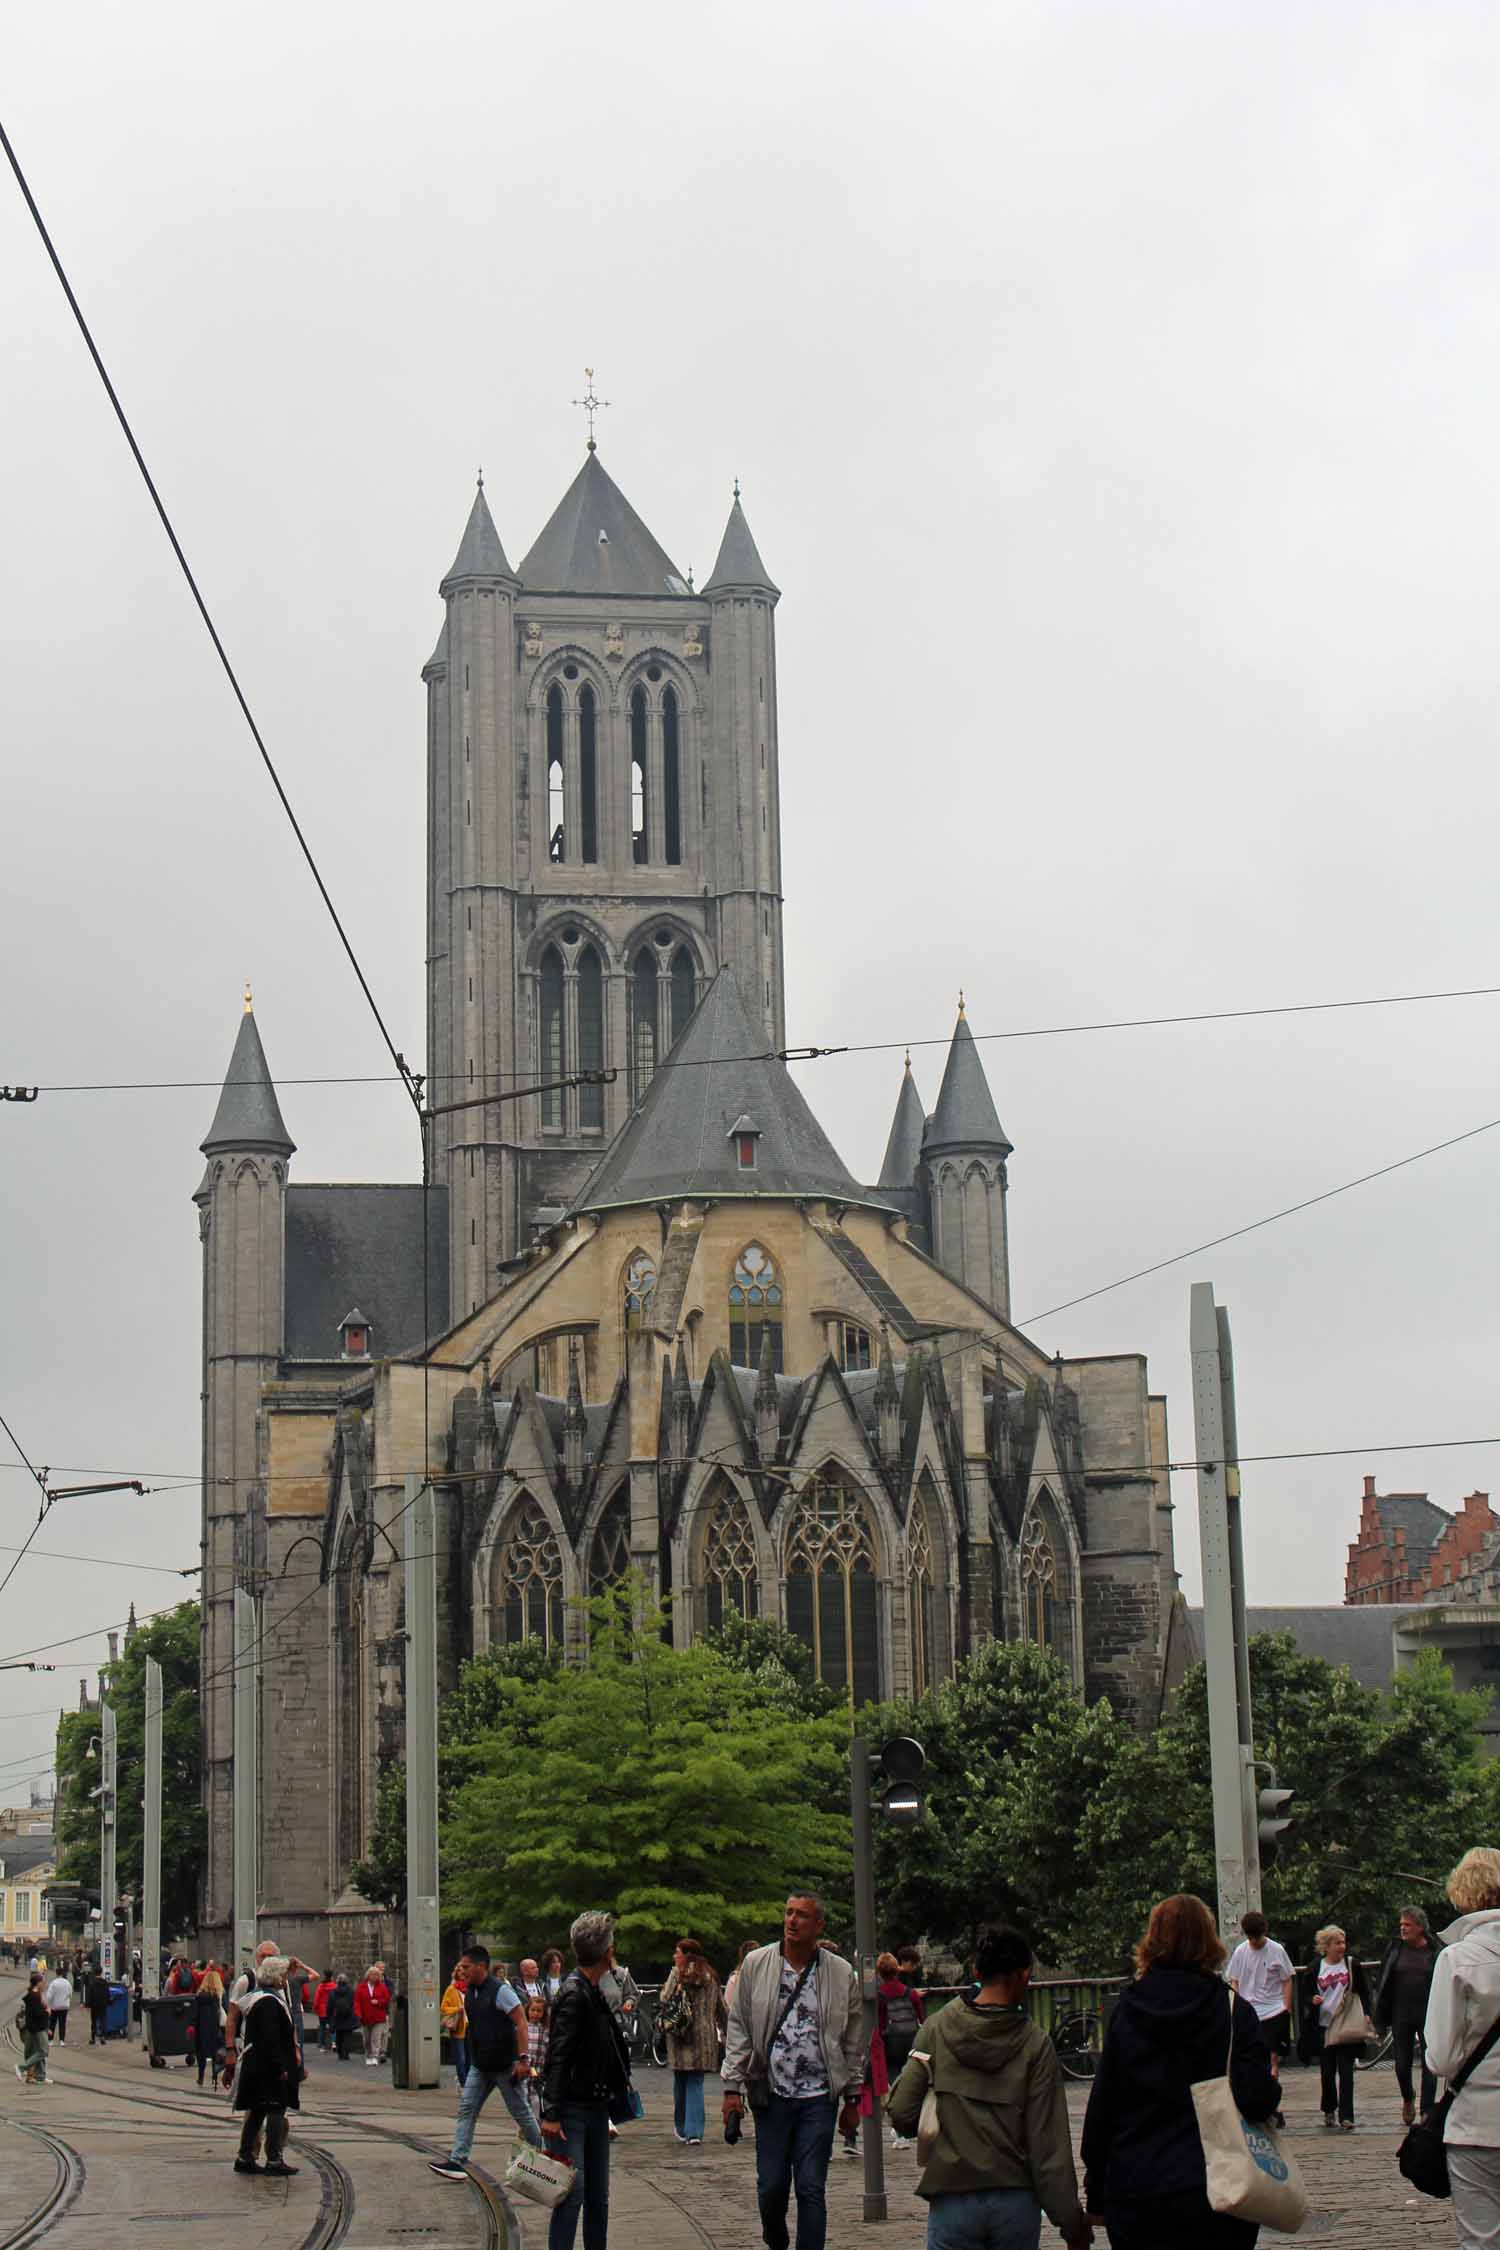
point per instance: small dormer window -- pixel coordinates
(354, 1335)
(745, 1133)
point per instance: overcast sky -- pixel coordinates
(1113, 391)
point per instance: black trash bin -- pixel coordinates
(166, 2026)
(399, 2074)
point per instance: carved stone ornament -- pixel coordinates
(692, 642)
(614, 643)
(533, 640)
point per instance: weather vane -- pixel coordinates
(591, 406)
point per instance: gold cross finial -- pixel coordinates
(960, 1001)
(249, 1010)
(591, 406)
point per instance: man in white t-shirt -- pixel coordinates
(1260, 1971)
(58, 1996)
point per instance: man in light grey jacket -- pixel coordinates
(795, 2049)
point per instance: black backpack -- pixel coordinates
(901, 2017)
(492, 2035)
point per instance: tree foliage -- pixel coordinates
(174, 1642)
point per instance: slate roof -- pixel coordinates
(20, 1854)
(1422, 1520)
(903, 1151)
(965, 1114)
(439, 656)
(678, 1141)
(873, 1282)
(1359, 1636)
(570, 556)
(248, 1115)
(739, 562)
(480, 554)
(362, 1245)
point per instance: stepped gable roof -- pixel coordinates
(595, 543)
(739, 562)
(965, 1114)
(248, 1115)
(679, 1141)
(1422, 1520)
(903, 1151)
(480, 554)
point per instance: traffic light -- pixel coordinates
(1274, 1820)
(902, 1763)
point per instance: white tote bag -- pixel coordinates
(547, 2180)
(1250, 2175)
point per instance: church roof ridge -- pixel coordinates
(965, 1114)
(594, 543)
(680, 1141)
(480, 554)
(248, 1115)
(739, 562)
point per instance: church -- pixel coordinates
(644, 1317)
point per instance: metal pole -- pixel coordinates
(246, 1807)
(107, 1847)
(865, 1948)
(1228, 1748)
(1250, 1823)
(423, 2031)
(151, 1868)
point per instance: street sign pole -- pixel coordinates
(246, 1793)
(151, 1870)
(1226, 1653)
(107, 1846)
(865, 1949)
(423, 2031)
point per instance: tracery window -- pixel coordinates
(642, 1025)
(556, 815)
(609, 1559)
(831, 1595)
(553, 1036)
(640, 849)
(731, 1573)
(590, 1037)
(588, 772)
(526, 1599)
(1037, 1567)
(640, 1288)
(755, 1309)
(671, 776)
(919, 1593)
(684, 989)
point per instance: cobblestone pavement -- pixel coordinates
(162, 2155)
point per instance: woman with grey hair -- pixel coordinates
(1401, 1994)
(1464, 2004)
(265, 2085)
(587, 2076)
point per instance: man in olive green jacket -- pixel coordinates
(1003, 2154)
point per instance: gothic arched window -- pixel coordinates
(921, 1606)
(609, 1557)
(671, 776)
(556, 794)
(831, 1595)
(588, 775)
(755, 1309)
(730, 1573)
(590, 1037)
(1036, 1565)
(639, 848)
(554, 1042)
(526, 1582)
(640, 1288)
(684, 989)
(642, 1024)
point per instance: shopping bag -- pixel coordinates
(540, 2178)
(1250, 2176)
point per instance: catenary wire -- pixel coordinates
(42, 1513)
(202, 606)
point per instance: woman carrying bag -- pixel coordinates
(1335, 2022)
(692, 2014)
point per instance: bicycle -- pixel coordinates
(1376, 2050)
(1079, 2041)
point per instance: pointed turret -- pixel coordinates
(480, 557)
(575, 1424)
(963, 1160)
(739, 564)
(903, 1151)
(248, 1115)
(767, 1406)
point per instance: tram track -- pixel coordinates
(67, 2185)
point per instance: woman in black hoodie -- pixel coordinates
(1142, 2158)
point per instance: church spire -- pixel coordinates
(480, 554)
(903, 1151)
(248, 1115)
(739, 562)
(965, 1115)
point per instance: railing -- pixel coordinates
(1049, 2000)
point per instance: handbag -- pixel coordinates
(674, 2015)
(1249, 2175)
(1351, 2026)
(927, 2125)
(1422, 2156)
(625, 2106)
(540, 2178)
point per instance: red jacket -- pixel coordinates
(323, 1995)
(372, 2002)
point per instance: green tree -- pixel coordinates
(671, 1785)
(174, 1642)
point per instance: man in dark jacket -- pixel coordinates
(587, 2074)
(97, 1996)
(1401, 1993)
(269, 2072)
(499, 2041)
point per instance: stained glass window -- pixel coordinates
(755, 1308)
(527, 1600)
(642, 1024)
(831, 1595)
(731, 1574)
(610, 1560)
(1038, 1572)
(640, 1288)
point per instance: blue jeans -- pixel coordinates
(687, 2103)
(461, 2061)
(793, 2142)
(477, 2089)
(586, 2137)
(984, 2219)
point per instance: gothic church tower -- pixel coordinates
(604, 834)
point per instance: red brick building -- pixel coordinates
(1409, 1549)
